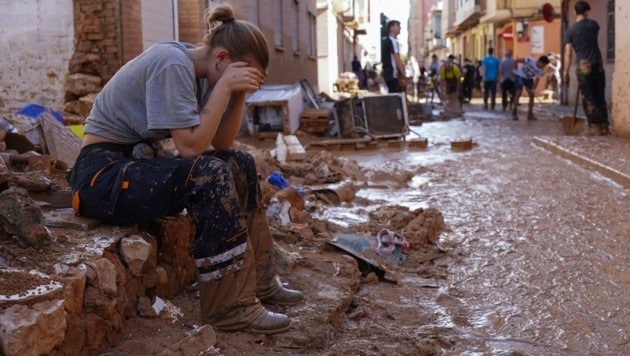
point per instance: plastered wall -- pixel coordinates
(36, 43)
(621, 72)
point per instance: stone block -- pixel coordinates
(34, 330)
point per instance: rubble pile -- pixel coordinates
(70, 284)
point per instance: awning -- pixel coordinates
(496, 16)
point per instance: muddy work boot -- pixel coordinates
(284, 296)
(229, 303)
(268, 287)
(598, 129)
(250, 318)
(269, 323)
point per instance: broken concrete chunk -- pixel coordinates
(135, 252)
(54, 219)
(105, 275)
(20, 217)
(32, 330)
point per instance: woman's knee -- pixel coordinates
(210, 170)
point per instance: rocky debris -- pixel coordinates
(110, 276)
(43, 134)
(32, 330)
(21, 219)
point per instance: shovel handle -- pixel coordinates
(577, 98)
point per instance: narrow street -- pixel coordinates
(533, 258)
(517, 245)
(537, 257)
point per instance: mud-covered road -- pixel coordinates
(537, 262)
(534, 258)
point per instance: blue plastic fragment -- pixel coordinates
(35, 110)
(277, 180)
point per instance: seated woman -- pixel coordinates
(196, 95)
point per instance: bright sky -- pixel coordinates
(397, 10)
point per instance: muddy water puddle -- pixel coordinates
(537, 252)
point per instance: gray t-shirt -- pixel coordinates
(529, 69)
(151, 94)
(506, 68)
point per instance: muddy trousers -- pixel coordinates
(508, 90)
(490, 90)
(221, 194)
(593, 91)
(452, 105)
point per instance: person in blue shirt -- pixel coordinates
(491, 72)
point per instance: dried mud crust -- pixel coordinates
(17, 283)
(366, 326)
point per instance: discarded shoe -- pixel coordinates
(269, 323)
(285, 296)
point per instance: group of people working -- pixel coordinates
(454, 83)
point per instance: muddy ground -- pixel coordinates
(532, 258)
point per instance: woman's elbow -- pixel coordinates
(191, 150)
(222, 145)
(188, 152)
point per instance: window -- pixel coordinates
(610, 31)
(296, 26)
(277, 19)
(312, 35)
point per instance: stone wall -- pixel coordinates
(116, 276)
(190, 16)
(97, 54)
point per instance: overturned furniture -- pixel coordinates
(275, 108)
(382, 116)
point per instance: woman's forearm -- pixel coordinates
(230, 123)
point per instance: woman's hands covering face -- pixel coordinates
(241, 77)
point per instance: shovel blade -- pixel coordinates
(572, 125)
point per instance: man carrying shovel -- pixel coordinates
(582, 37)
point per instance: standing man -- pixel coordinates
(508, 82)
(527, 76)
(393, 67)
(434, 75)
(491, 72)
(451, 78)
(582, 37)
(469, 80)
